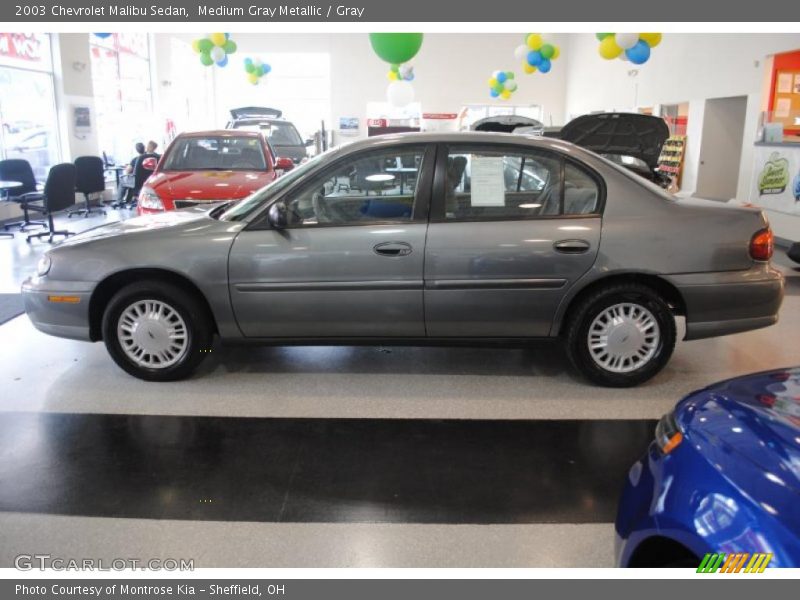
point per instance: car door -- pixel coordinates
(349, 263)
(512, 228)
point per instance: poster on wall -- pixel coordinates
(81, 121)
(776, 185)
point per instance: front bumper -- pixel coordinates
(730, 302)
(59, 308)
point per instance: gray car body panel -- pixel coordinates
(479, 280)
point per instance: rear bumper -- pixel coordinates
(730, 302)
(59, 308)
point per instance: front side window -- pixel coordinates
(216, 153)
(368, 188)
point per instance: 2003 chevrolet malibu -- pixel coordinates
(421, 239)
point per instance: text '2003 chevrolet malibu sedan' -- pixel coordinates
(421, 239)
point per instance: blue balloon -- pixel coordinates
(493, 93)
(639, 53)
(534, 58)
(501, 77)
(223, 62)
(102, 36)
(266, 68)
(544, 65)
(248, 61)
(410, 77)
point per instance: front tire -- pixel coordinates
(621, 336)
(156, 331)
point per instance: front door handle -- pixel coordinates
(393, 249)
(572, 246)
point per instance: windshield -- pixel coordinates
(278, 133)
(245, 206)
(216, 153)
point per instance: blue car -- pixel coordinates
(721, 476)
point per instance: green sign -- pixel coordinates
(774, 177)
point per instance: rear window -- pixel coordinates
(216, 153)
(277, 133)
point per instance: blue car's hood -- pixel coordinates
(749, 429)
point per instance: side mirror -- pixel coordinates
(284, 164)
(309, 142)
(277, 216)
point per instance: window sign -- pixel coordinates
(25, 50)
(488, 184)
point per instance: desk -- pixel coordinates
(5, 186)
(117, 169)
(403, 172)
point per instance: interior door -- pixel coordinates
(350, 261)
(511, 231)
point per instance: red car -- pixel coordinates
(209, 166)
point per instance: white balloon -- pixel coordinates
(511, 85)
(405, 70)
(257, 62)
(217, 54)
(521, 52)
(400, 93)
(626, 40)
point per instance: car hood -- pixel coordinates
(625, 134)
(208, 185)
(749, 429)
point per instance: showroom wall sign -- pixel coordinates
(776, 184)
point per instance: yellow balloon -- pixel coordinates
(393, 76)
(505, 94)
(652, 39)
(609, 49)
(196, 46)
(535, 41)
(529, 68)
(556, 53)
(492, 82)
(252, 78)
(218, 39)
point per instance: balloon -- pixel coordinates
(511, 85)
(249, 67)
(544, 66)
(509, 74)
(652, 39)
(609, 49)
(205, 45)
(196, 46)
(520, 52)
(556, 53)
(529, 68)
(639, 53)
(217, 53)
(547, 51)
(102, 36)
(400, 93)
(601, 36)
(266, 68)
(223, 61)
(534, 41)
(626, 40)
(505, 94)
(248, 62)
(396, 48)
(218, 39)
(229, 46)
(493, 94)
(492, 82)
(534, 58)
(501, 77)
(253, 78)
(206, 59)
(393, 76)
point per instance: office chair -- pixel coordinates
(59, 194)
(17, 169)
(89, 179)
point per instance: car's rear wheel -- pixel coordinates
(621, 336)
(156, 331)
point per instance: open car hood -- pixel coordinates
(625, 134)
(508, 124)
(254, 112)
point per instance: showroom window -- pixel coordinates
(123, 92)
(369, 188)
(27, 102)
(475, 112)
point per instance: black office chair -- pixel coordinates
(58, 195)
(143, 167)
(17, 169)
(90, 179)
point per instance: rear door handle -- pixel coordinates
(393, 249)
(572, 246)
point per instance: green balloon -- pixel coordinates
(602, 36)
(205, 45)
(395, 68)
(509, 74)
(229, 47)
(249, 67)
(206, 59)
(396, 48)
(260, 71)
(547, 51)
(498, 87)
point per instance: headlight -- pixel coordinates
(668, 435)
(149, 199)
(43, 267)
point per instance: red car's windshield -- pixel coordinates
(216, 153)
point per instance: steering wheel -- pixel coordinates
(320, 209)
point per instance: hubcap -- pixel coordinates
(623, 337)
(152, 334)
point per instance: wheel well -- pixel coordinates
(661, 551)
(106, 289)
(661, 286)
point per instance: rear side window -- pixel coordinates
(498, 184)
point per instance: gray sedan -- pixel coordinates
(420, 239)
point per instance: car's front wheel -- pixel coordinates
(156, 331)
(621, 336)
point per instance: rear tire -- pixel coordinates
(621, 335)
(156, 331)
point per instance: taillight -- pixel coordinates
(762, 244)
